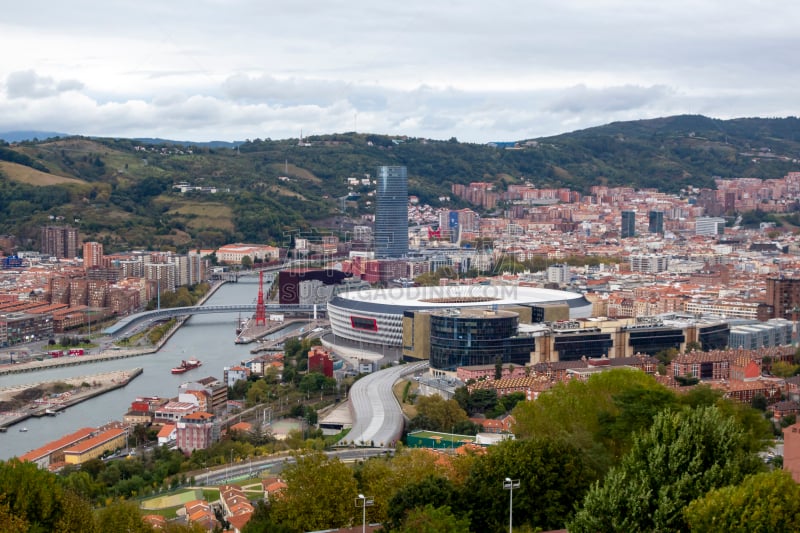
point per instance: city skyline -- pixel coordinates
(214, 70)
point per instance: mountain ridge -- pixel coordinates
(266, 190)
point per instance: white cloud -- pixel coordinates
(29, 84)
(213, 69)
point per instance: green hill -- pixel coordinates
(120, 191)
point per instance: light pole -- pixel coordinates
(364, 502)
(509, 485)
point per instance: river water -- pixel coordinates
(209, 338)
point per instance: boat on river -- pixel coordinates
(186, 365)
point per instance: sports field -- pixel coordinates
(172, 500)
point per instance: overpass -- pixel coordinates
(131, 321)
(377, 417)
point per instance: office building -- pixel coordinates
(391, 214)
(467, 337)
(628, 228)
(60, 242)
(709, 226)
(655, 222)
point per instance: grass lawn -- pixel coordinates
(172, 500)
(408, 409)
(31, 176)
(201, 214)
(167, 512)
(211, 495)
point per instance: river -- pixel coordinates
(209, 338)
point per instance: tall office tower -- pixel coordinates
(391, 214)
(628, 228)
(60, 241)
(655, 221)
(92, 255)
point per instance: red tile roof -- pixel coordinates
(63, 442)
(95, 441)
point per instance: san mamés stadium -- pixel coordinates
(376, 316)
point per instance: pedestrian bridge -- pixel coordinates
(131, 321)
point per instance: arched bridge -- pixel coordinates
(250, 309)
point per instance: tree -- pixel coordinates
(553, 477)
(433, 490)
(36, 497)
(10, 523)
(759, 402)
(682, 456)
(258, 393)
(382, 477)
(762, 502)
(636, 409)
(247, 262)
(481, 401)
(693, 346)
(122, 516)
(437, 414)
(576, 412)
(262, 520)
(430, 519)
(319, 494)
(783, 369)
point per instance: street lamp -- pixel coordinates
(509, 485)
(364, 502)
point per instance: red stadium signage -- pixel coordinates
(360, 322)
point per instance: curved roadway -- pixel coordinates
(378, 419)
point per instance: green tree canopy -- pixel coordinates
(762, 502)
(430, 519)
(577, 412)
(319, 494)
(36, 497)
(684, 455)
(434, 490)
(553, 477)
(437, 414)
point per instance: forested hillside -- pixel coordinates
(121, 191)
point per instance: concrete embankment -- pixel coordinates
(50, 403)
(107, 355)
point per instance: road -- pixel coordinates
(246, 469)
(377, 417)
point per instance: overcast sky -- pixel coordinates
(476, 70)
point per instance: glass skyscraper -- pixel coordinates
(391, 214)
(628, 224)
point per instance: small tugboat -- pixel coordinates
(186, 365)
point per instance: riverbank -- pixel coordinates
(105, 355)
(48, 398)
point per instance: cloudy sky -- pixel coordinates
(476, 70)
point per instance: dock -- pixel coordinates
(20, 406)
(33, 366)
(252, 333)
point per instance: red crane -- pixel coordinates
(261, 310)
